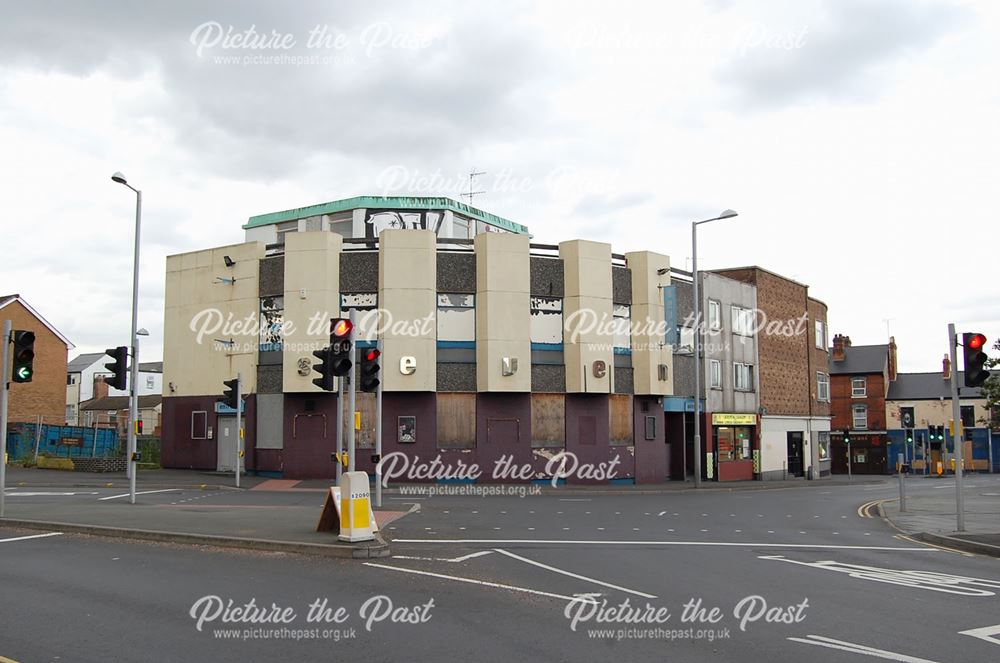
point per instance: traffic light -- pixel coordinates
(369, 371)
(324, 368)
(341, 346)
(24, 355)
(118, 368)
(975, 359)
(847, 436)
(229, 394)
(909, 435)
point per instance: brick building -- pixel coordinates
(45, 395)
(791, 331)
(859, 382)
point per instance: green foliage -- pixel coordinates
(991, 391)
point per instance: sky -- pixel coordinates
(856, 139)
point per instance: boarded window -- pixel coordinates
(548, 420)
(456, 318)
(620, 419)
(546, 320)
(199, 425)
(456, 421)
(366, 318)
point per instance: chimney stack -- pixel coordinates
(100, 387)
(946, 367)
(892, 358)
(838, 346)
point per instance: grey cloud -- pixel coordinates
(266, 121)
(601, 204)
(838, 56)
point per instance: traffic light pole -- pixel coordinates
(4, 388)
(378, 439)
(956, 414)
(352, 389)
(239, 422)
(340, 428)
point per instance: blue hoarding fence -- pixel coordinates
(61, 442)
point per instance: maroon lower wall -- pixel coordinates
(650, 455)
(178, 450)
(310, 436)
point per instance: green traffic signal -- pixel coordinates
(23, 374)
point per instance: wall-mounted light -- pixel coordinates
(229, 261)
(173, 387)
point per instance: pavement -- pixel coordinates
(184, 507)
(931, 512)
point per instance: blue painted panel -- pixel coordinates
(670, 313)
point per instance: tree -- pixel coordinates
(991, 391)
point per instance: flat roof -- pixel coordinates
(386, 202)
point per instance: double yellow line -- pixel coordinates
(865, 510)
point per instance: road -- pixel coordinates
(797, 573)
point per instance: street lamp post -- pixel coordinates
(133, 402)
(726, 214)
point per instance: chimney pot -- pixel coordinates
(946, 367)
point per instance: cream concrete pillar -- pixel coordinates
(588, 321)
(503, 311)
(312, 297)
(210, 326)
(649, 349)
(407, 290)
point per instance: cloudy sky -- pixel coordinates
(858, 139)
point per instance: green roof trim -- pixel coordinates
(386, 202)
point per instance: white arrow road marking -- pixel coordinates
(936, 582)
(984, 633)
(842, 645)
(471, 581)
(573, 575)
(144, 492)
(33, 536)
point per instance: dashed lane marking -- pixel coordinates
(715, 544)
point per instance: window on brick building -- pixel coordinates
(860, 417)
(859, 387)
(822, 387)
(743, 321)
(820, 335)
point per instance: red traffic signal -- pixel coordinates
(341, 328)
(369, 370)
(976, 372)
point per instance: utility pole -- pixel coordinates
(239, 425)
(4, 388)
(956, 414)
(378, 439)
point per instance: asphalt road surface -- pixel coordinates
(803, 573)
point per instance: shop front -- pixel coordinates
(734, 438)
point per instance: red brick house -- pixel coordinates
(45, 395)
(860, 376)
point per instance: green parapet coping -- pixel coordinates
(386, 202)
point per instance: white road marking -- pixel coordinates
(661, 513)
(47, 494)
(31, 536)
(935, 582)
(984, 633)
(573, 575)
(724, 544)
(142, 492)
(574, 499)
(481, 553)
(471, 581)
(842, 645)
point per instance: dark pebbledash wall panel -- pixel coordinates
(548, 378)
(456, 377)
(359, 271)
(271, 277)
(547, 277)
(456, 272)
(621, 285)
(623, 380)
